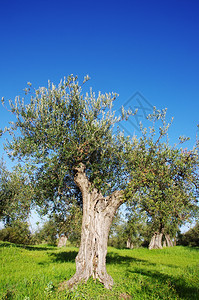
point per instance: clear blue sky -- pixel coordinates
(125, 46)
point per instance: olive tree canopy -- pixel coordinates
(68, 137)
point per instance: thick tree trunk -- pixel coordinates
(169, 241)
(62, 241)
(156, 241)
(129, 244)
(98, 213)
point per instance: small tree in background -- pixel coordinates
(16, 195)
(48, 233)
(18, 232)
(69, 223)
(117, 237)
(190, 238)
(66, 222)
(135, 228)
(164, 182)
(128, 231)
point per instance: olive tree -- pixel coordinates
(16, 194)
(164, 181)
(68, 138)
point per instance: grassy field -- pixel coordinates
(34, 272)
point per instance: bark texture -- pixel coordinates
(98, 213)
(129, 244)
(168, 240)
(156, 241)
(62, 241)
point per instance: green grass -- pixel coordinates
(34, 272)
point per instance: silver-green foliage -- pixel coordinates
(58, 127)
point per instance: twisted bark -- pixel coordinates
(168, 240)
(156, 241)
(129, 244)
(98, 213)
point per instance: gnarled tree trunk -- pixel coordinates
(62, 241)
(98, 213)
(156, 241)
(164, 244)
(129, 244)
(169, 241)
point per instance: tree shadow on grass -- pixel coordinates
(114, 258)
(111, 258)
(6, 244)
(65, 256)
(39, 248)
(182, 289)
(28, 247)
(192, 248)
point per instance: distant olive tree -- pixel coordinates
(16, 195)
(18, 232)
(190, 238)
(164, 182)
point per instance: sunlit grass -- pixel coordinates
(34, 272)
